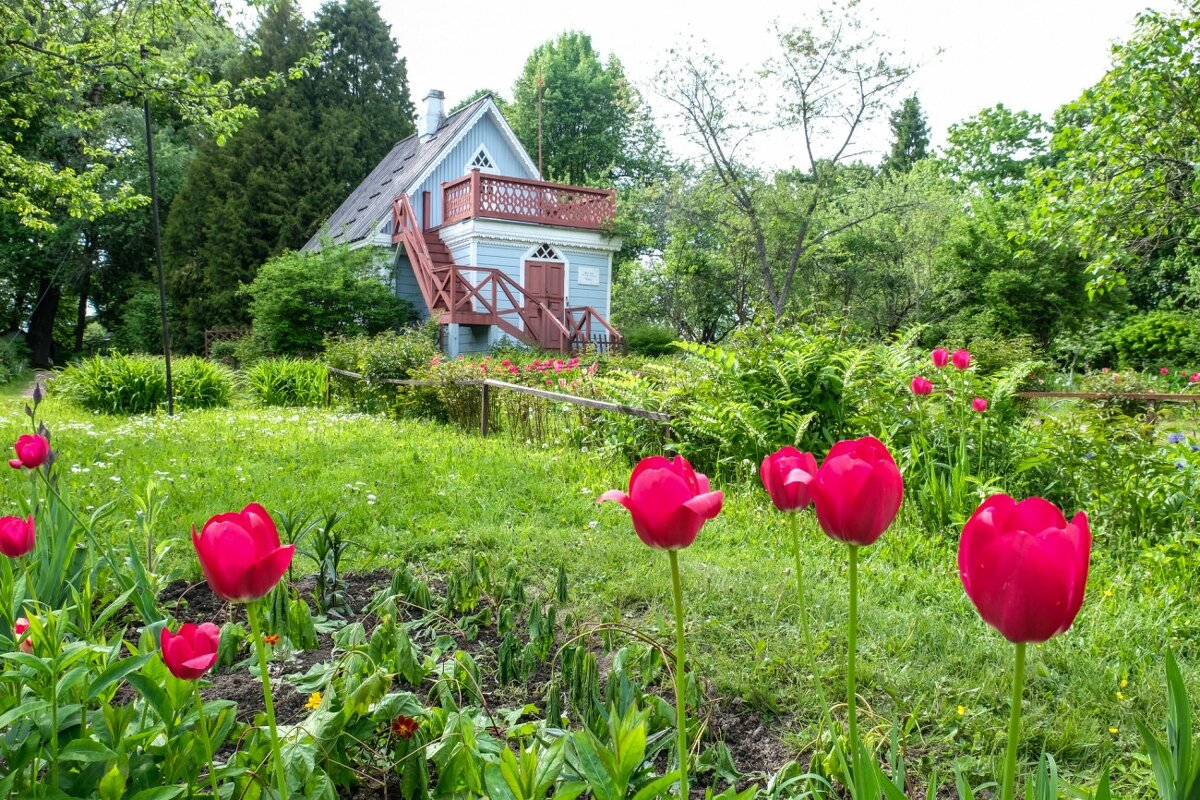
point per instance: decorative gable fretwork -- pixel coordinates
(482, 161)
(545, 253)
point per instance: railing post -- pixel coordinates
(485, 410)
(476, 202)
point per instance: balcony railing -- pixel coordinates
(497, 197)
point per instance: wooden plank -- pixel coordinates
(1151, 396)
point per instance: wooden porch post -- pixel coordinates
(475, 200)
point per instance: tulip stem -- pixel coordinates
(1014, 725)
(852, 646)
(252, 612)
(680, 701)
(208, 745)
(794, 518)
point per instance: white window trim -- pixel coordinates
(493, 170)
(528, 256)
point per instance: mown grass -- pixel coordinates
(429, 495)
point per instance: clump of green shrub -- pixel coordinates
(1157, 339)
(650, 340)
(14, 358)
(388, 355)
(287, 382)
(134, 384)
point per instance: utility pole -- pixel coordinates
(162, 287)
(540, 82)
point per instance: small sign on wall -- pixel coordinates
(589, 276)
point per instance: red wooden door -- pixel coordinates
(546, 281)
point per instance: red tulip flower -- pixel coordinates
(786, 475)
(241, 555)
(16, 536)
(32, 451)
(192, 651)
(668, 500)
(979, 404)
(1164, 371)
(1024, 566)
(921, 386)
(961, 359)
(19, 629)
(857, 491)
(940, 357)
(669, 503)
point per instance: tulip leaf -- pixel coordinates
(154, 695)
(86, 750)
(115, 672)
(159, 793)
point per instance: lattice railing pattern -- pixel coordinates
(496, 197)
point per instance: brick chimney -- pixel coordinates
(435, 114)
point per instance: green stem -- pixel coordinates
(252, 612)
(852, 646)
(1014, 725)
(208, 745)
(680, 702)
(804, 629)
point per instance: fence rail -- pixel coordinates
(488, 384)
(1148, 396)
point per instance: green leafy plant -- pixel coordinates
(1176, 762)
(287, 382)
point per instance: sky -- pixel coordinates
(1028, 54)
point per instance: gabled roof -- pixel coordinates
(400, 172)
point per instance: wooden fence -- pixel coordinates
(489, 385)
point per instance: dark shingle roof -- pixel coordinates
(360, 214)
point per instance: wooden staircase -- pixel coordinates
(485, 295)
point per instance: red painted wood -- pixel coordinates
(426, 214)
(498, 197)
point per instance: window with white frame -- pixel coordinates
(482, 161)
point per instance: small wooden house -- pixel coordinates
(478, 240)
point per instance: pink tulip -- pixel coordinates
(19, 629)
(192, 651)
(668, 500)
(940, 357)
(979, 404)
(961, 359)
(32, 451)
(786, 475)
(16, 536)
(1024, 566)
(921, 386)
(241, 555)
(1164, 371)
(857, 491)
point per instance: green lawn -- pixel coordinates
(428, 495)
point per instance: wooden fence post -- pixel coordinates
(328, 388)
(484, 411)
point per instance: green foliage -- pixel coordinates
(298, 300)
(910, 136)
(389, 355)
(1157, 339)
(1176, 763)
(1122, 187)
(131, 384)
(996, 150)
(287, 382)
(140, 328)
(269, 188)
(14, 358)
(595, 126)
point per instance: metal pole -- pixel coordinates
(484, 411)
(162, 287)
(541, 174)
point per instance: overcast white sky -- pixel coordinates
(1027, 54)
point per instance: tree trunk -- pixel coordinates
(40, 338)
(81, 311)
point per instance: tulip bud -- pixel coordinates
(786, 475)
(17, 536)
(979, 404)
(19, 629)
(940, 357)
(921, 386)
(961, 359)
(857, 491)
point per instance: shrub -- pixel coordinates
(14, 357)
(388, 355)
(140, 330)
(650, 340)
(300, 299)
(1156, 339)
(287, 382)
(133, 384)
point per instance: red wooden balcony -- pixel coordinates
(498, 197)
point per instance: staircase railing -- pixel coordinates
(454, 292)
(406, 229)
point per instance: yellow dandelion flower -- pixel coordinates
(1108, 592)
(1120, 695)
(1124, 683)
(962, 710)
(314, 701)
(1113, 731)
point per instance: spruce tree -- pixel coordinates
(272, 185)
(910, 137)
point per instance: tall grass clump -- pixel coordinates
(287, 382)
(136, 384)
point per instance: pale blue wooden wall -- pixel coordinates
(453, 165)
